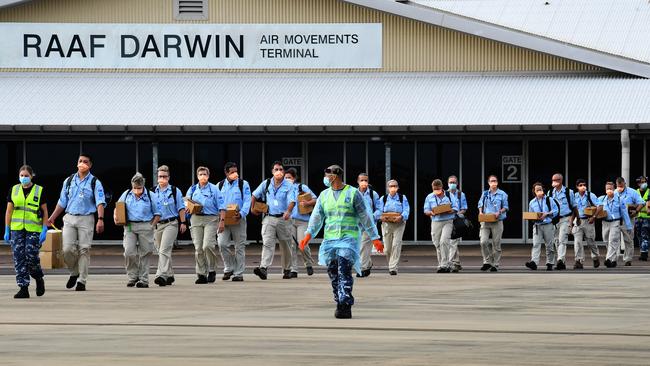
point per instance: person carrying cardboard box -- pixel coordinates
(442, 210)
(235, 191)
(393, 229)
(582, 225)
(206, 225)
(493, 201)
(302, 199)
(143, 214)
(172, 219)
(547, 208)
(275, 224)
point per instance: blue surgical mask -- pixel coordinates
(453, 186)
(327, 182)
(24, 180)
(644, 186)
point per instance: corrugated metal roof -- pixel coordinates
(609, 34)
(304, 100)
(616, 27)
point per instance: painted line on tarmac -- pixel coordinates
(296, 327)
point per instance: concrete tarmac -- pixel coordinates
(410, 319)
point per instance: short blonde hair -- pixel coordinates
(137, 180)
(202, 169)
(163, 168)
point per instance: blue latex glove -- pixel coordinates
(7, 234)
(43, 235)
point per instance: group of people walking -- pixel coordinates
(292, 214)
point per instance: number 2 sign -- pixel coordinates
(511, 169)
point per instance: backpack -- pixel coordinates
(372, 197)
(568, 197)
(555, 219)
(174, 194)
(266, 191)
(93, 184)
(401, 198)
(126, 193)
(240, 183)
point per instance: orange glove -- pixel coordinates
(378, 245)
(304, 242)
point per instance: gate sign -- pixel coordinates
(511, 169)
(295, 162)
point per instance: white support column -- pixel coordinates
(154, 154)
(389, 174)
(625, 155)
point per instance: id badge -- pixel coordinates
(276, 203)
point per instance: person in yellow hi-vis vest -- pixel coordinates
(343, 211)
(25, 230)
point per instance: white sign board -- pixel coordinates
(191, 46)
(511, 169)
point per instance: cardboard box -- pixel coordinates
(590, 211)
(305, 197)
(442, 209)
(487, 218)
(531, 215)
(231, 215)
(391, 216)
(193, 207)
(631, 209)
(51, 260)
(53, 241)
(260, 207)
(120, 213)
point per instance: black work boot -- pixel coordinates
(596, 263)
(260, 272)
(201, 280)
(23, 293)
(560, 265)
(227, 276)
(532, 265)
(286, 274)
(343, 311)
(310, 270)
(71, 281)
(40, 286)
(212, 276)
(643, 256)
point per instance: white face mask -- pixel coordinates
(556, 184)
(278, 174)
(233, 176)
(291, 180)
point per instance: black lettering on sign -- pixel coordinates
(176, 45)
(150, 46)
(134, 42)
(31, 41)
(94, 44)
(54, 46)
(76, 46)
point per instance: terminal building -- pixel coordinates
(411, 90)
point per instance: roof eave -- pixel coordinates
(507, 35)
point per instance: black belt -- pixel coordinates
(138, 222)
(612, 220)
(565, 216)
(548, 223)
(278, 215)
(71, 214)
(168, 220)
(584, 218)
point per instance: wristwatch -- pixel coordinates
(100, 218)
